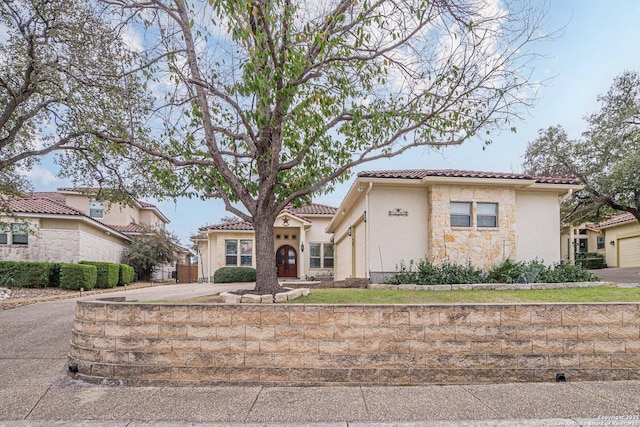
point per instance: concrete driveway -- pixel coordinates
(619, 275)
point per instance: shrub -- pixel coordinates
(403, 275)
(76, 276)
(108, 273)
(507, 271)
(54, 274)
(25, 274)
(234, 274)
(126, 274)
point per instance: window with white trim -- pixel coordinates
(246, 253)
(96, 209)
(231, 252)
(600, 242)
(321, 255)
(20, 234)
(487, 214)
(460, 214)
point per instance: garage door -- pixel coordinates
(629, 252)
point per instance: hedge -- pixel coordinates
(126, 274)
(76, 276)
(234, 274)
(24, 274)
(108, 273)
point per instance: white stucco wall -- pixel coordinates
(537, 226)
(397, 238)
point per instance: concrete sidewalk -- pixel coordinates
(67, 402)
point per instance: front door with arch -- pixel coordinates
(287, 261)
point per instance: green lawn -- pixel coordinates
(367, 296)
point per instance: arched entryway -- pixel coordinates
(287, 261)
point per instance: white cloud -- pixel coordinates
(40, 176)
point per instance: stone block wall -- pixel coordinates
(289, 344)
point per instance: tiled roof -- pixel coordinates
(129, 228)
(41, 205)
(452, 173)
(619, 219)
(147, 205)
(58, 197)
(232, 226)
(314, 209)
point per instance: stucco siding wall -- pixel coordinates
(395, 238)
(343, 259)
(482, 246)
(537, 227)
(120, 215)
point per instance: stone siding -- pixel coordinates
(54, 245)
(483, 247)
(289, 344)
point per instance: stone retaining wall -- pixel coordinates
(291, 344)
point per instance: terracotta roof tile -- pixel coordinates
(57, 197)
(314, 209)
(618, 219)
(129, 228)
(232, 226)
(41, 205)
(453, 173)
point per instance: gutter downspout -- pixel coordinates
(367, 218)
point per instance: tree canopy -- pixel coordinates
(62, 84)
(149, 249)
(264, 103)
(605, 158)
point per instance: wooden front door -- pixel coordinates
(287, 261)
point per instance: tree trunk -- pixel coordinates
(266, 273)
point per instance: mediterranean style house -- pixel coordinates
(617, 239)
(303, 248)
(70, 225)
(387, 217)
(480, 218)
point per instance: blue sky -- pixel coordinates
(601, 40)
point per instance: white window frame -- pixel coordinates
(20, 229)
(457, 213)
(246, 253)
(321, 257)
(228, 255)
(96, 209)
(481, 218)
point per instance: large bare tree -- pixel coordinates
(268, 102)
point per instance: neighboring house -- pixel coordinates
(578, 240)
(480, 218)
(303, 249)
(622, 241)
(70, 225)
(44, 229)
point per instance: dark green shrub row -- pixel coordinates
(42, 274)
(76, 276)
(506, 272)
(234, 274)
(24, 274)
(108, 273)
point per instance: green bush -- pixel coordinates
(54, 275)
(591, 263)
(234, 274)
(126, 274)
(403, 275)
(108, 273)
(76, 276)
(25, 274)
(507, 271)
